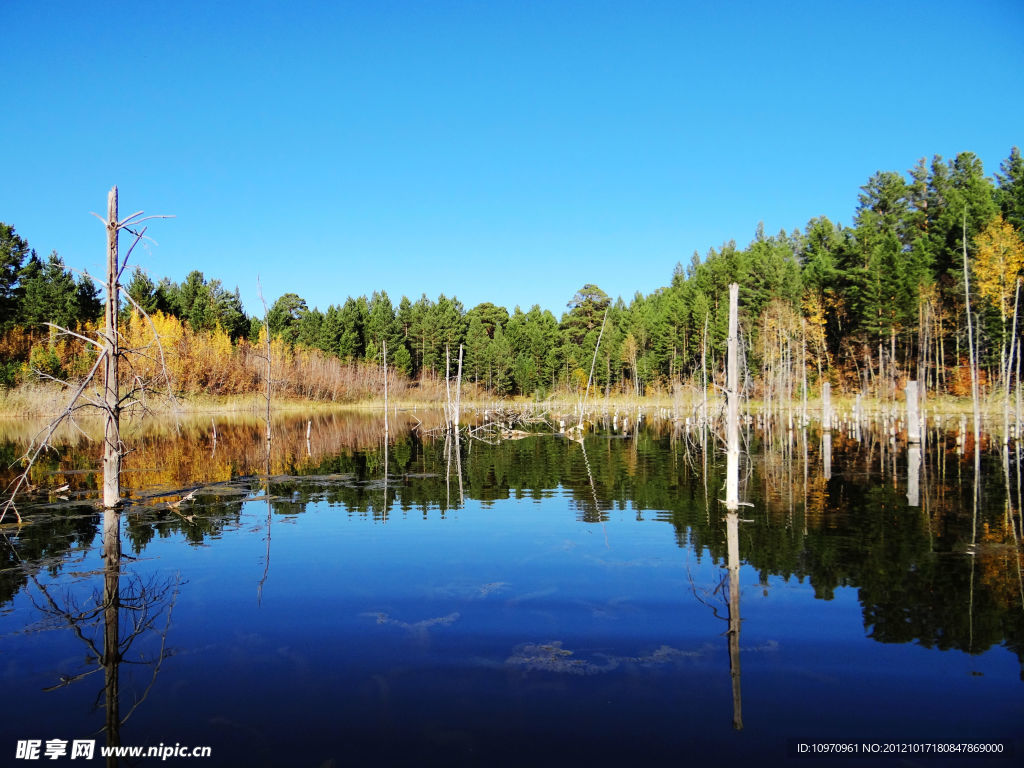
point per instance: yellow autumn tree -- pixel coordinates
(998, 264)
(814, 314)
(997, 268)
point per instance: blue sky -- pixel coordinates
(497, 151)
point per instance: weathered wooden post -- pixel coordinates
(732, 489)
(826, 406)
(913, 417)
(111, 352)
(857, 416)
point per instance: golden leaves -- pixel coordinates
(998, 263)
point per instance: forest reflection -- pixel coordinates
(842, 509)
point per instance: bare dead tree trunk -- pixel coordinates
(1008, 367)
(108, 359)
(704, 372)
(448, 416)
(111, 396)
(583, 401)
(826, 406)
(458, 401)
(913, 417)
(732, 488)
(970, 344)
(803, 372)
(266, 329)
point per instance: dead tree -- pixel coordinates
(266, 354)
(970, 343)
(583, 400)
(111, 357)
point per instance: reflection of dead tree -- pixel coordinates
(733, 545)
(110, 357)
(727, 592)
(266, 560)
(593, 492)
(110, 623)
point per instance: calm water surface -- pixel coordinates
(521, 602)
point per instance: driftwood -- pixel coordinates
(510, 423)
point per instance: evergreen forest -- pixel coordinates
(865, 306)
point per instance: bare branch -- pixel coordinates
(126, 219)
(124, 262)
(31, 455)
(123, 222)
(63, 330)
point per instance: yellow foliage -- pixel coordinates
(998, 263)
(814, 314)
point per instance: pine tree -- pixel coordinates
(13, 252)
(477, 345)
(1010, 195)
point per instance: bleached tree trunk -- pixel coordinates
(458, 403)
(970, 344)
(826, 406)
(111, 397)
(600, 335)
(447, 387)
(913, 418)
(803, 373)
(266, 329)
(1008, 366)
(704, 372)
(732, 490)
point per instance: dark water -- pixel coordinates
(528, 602)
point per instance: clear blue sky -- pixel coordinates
(497, 151)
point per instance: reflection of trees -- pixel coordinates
(109, 623)
(851, 530)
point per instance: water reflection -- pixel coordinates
(128, 611)
(936, 564)
(916, 543)
(733, 546)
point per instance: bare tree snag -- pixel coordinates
(913, 416)
(970, 344)
(113, 402)
(112, 447)
(583, 402)
(266, 329)
(732, 494)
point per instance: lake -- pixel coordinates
(351, 599)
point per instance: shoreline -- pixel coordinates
(40, 401)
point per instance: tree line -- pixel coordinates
(864, 306)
